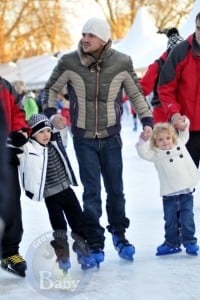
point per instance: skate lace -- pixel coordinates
(80, 244)
(61, 249)
(15, 259)
(122, 239)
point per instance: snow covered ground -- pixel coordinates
(148, 278)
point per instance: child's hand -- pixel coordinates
(58, 121)
(147, 133)
(179, 122)
(144, 137)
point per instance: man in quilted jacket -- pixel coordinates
(96, 76)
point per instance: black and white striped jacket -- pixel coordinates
(33, 169)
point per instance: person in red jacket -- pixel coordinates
(179, 88)
(149, 81)
(18, 130)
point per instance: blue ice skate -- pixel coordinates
(64, 265)
(99, 256)
(165, 250)
(123, 247)
(192, 249)
(61, 247)
(121, 244)
(86, 261)
(86, 258)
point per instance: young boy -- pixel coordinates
(50, 179)
(178, 175)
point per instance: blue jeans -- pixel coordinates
(98, 157)
(179, 220)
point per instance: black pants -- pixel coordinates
(193, 146)
(64, 207)
(13, 230)
(3, 165)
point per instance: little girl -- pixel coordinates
(177, 175)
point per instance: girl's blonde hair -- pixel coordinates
(160, 127)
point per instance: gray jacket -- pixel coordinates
(95, 91)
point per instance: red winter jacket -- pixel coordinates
(179, 83)
(150, 78)
(15, 117)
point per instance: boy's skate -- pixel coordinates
(61, 247)
(86, 257)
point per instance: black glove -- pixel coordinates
(12, 155)
(17, 139)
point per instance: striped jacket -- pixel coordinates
(33, 167)
(95, 91)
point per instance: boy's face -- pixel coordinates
(43, 136)
(164, 141)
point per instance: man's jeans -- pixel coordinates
(179, 220)
(98, 157)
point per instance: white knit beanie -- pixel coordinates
(98, 27)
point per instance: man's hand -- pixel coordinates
(179, 121)
(58, 121)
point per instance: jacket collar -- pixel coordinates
(195, 48)
(88, 60)
(194, 45)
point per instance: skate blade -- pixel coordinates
(65, 272)
(174, 251)
(88, 266)
(128, 254)
(192, 253)
(126, 257)
(14, 272)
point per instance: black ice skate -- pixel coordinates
(14, 264)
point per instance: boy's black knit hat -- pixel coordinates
(38, 122)
(173, 37)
